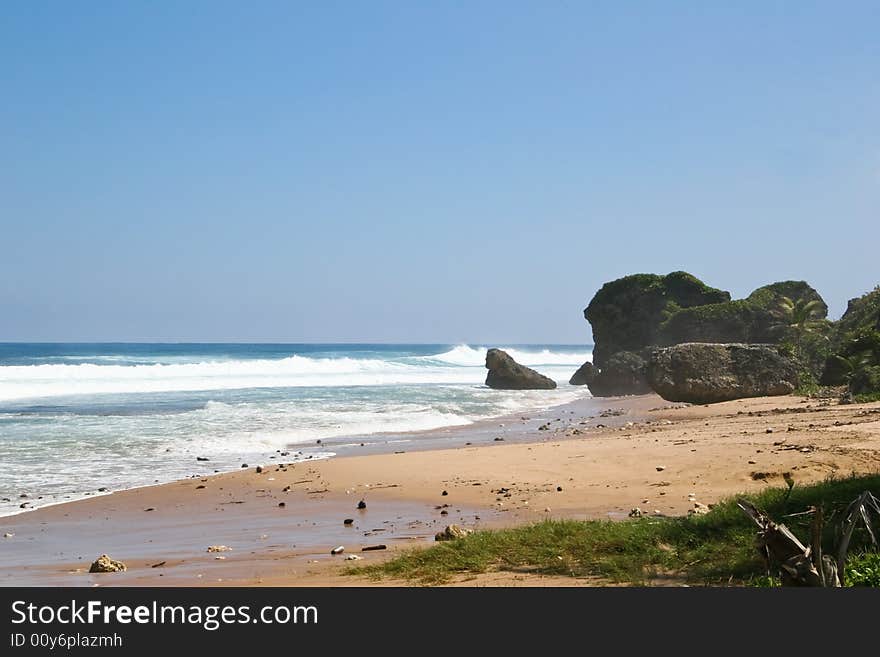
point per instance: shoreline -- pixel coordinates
(333, 447)
(653, 455)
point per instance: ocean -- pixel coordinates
(77, 418)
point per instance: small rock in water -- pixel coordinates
(218, 548)
(259, 469)
(338, 550)
(282, 504)
(444, 512)
(150, 508)
(244, 465)
(373, 548)
(362, 505)
(102, 489)
(348, 522)
(105, 564)
(202, 458)
(8, 535)
(499, 439)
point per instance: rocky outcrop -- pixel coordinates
(638, 313)
(626, 313)
(506, 374)
(105, 564)
(755, 319)
(702, 373)
(623, 374)
(584, 375)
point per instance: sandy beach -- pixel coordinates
(280, 524)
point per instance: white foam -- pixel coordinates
(468, 356)
(461, 365)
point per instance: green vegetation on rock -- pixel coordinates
(626, 313)
(855, 354)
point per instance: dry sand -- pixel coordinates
(653, 455)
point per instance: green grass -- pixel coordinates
(713, 549)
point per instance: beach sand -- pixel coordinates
(639, 452)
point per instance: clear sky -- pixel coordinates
(423, 171)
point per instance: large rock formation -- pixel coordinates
(506, 374)
(637, 313)
(626, 313)
(702, 373)
(756, 319)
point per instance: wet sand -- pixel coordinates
(607, 456)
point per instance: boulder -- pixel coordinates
(451, 533)
(506, 374)
(702, 373)
(623, 374)
(105, 564)
(585, 375)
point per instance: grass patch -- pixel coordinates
(713, 549)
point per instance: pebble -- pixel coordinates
(282, 504)
(353, 557)
(362, 505)
(338, 550)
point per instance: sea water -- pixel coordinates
(75, 418)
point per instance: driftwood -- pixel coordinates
(799, 565)
(808, 566)
(860, 509)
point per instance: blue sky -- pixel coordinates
(423, 172)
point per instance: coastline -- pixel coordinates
(653, 455)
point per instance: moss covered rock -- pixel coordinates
(626, 313)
